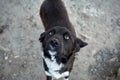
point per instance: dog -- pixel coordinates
(59, 41)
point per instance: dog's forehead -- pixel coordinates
(61, 30)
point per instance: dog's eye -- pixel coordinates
(66, 37)
(51, 33)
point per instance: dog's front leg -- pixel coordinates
(48, 75)
(49, 78)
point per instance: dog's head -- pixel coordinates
(60, 41)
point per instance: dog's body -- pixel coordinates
(59, 40)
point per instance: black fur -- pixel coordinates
(58, 27)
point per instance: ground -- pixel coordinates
(96, 22)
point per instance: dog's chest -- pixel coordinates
(53, 67)
(52, 64)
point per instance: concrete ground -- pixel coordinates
(96, 22)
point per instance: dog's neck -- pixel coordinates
(70, 60)
(68, 63)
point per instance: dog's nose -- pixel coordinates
(54, 43)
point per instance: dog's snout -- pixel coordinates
(54, 43)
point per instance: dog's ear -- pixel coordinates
(79, 44)
(42, 36)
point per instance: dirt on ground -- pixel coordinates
(96, 22)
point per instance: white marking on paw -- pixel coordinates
(66, 79)
(64, 74)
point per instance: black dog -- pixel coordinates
(59, 40)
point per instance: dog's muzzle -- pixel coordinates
(53, 45)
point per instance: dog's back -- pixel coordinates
(53, 13)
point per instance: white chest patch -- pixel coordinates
(54, 67)
(52, 64)
(52, 53)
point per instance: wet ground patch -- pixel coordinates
(107, 64)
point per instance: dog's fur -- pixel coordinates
(59, 40)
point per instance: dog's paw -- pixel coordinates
(65, 73)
